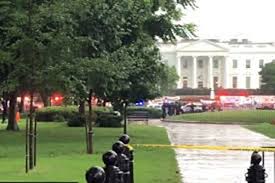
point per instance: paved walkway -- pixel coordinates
(203, 166)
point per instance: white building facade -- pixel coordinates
(211, 64)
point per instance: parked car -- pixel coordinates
(187, 108)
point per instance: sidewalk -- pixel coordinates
(204, 166)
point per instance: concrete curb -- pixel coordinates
(208, 122)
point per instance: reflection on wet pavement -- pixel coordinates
(204, 166)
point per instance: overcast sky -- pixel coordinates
(225, 19)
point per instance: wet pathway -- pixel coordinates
(204, 166)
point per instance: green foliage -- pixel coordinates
(268, 77)
(76, 120)
(58, 117)
(263, 128)
(128, 67)
(169, 79)
(54, 113)
(152, 112)
(101, 109)
(108, 120)
(63, 113)
(79, 47)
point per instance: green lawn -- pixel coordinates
(62, 157)
(251, 116)
(263, 128)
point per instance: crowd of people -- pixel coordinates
(177, 108)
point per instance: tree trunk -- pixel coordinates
(12, 124)
(125, 125)
(90, 127)
(21, 106)
(81, 108)
(5, 108)
(31, 134)
(45, 98)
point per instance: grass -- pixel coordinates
(62, 157)
(260, 119)
(250, 116)
(263, 128)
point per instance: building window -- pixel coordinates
(216, 82)
(185, 82)
(247, 82)
(247, 64)
(200, 84)
(261, 63)
(234, 82)
(235, 64)
(200, 64)
(185, 64)
(216, 64)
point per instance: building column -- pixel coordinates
(195, 82)
(225, 75)
(179, 72)
(210, 73)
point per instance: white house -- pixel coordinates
(212, 63)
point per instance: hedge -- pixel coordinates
(55, 113)
(108, 119)
(62, 113)
(152, 112)
(76, 121)
(104, 117)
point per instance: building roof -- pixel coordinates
(215, 45)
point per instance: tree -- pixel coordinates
(34, 48)
(133, 26)
(168, 80)
(85, 47)
(7, 16)
(268, 77)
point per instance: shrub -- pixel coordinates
(24, 114)
(108, 119)
(152, 112)
(59, 118)
(63, 113)
(55, 113)
(102, 109)
(76, 120)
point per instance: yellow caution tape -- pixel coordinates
(208, 147)
(130, 147)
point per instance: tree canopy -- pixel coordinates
(80, 46)
(268, 77)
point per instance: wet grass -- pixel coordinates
(62, 157)
(250, 116)
(263, 128)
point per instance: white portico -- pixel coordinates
(208, 64)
